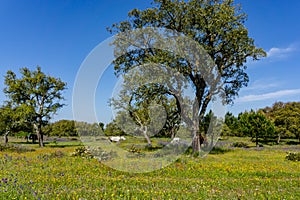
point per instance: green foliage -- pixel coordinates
(13, 120)
(112, 129)
(256, 125)
(89, 129)
(218, 26)
(240, 145)
(37, 94)
(286, 117)
(96, 153)
(219, 150)
(62, 128)
(15, 148)
(133, 149)
(231, 125)
(293, 156)
(82, 152)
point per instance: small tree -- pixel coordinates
(256, 125)
(6, 122)
(231, 125)
(13, 119)
(151, 113)
(37, 91)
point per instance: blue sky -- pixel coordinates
(58, 35)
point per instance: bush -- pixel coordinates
(97, 153)
(15, 148)
(219, 150)
(293, 156)
(102, 155)
(82, 152)
(240, 145)
(135, 152)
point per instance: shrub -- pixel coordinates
(102, 155)
(240, 145)
(82, 152)
(219, 150)
(135, 152)
(15, 148)
(293, 156)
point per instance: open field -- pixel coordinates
(239, 173)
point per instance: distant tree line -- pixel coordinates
(71, 128)
(35, 97)
(281, 120)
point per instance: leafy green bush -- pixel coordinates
(240, 145)
(293, 156)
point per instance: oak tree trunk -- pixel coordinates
(38, 131)
(278, 138)
(6, 137)
(144, 130)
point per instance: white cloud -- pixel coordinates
(271, 95)
(263, 85)
(280, 52)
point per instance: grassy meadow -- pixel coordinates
(29, 172)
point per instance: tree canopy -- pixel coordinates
(37, 92)
(13, 120)
(286, 117)
(217, 25)
(62, 128)
(256, 125)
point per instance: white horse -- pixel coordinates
(175, 140)
(116, 138)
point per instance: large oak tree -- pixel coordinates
(217, 25)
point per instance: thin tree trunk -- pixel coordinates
(172, 133)
(279, 137)
(196, 144)
(6, 137)
(144, 130)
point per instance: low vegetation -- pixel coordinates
(239, 173)
(293, 156)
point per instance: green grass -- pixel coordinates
(51, 173)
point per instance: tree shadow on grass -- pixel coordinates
(219, 150)
(292, 142)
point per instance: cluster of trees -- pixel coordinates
(282, 120)
(12, 125)
(286, 118)
(61, 128)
